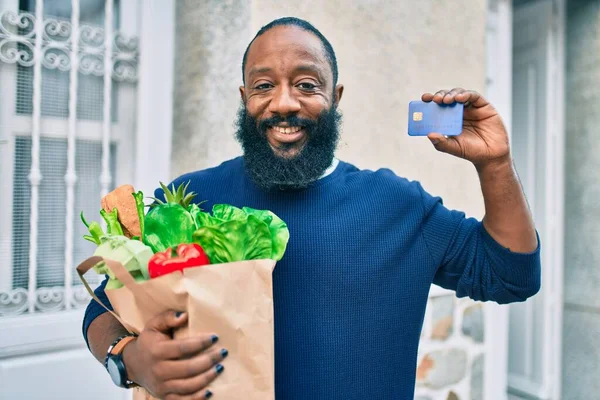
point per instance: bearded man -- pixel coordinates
(365, 246)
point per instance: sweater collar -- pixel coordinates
(331, 168)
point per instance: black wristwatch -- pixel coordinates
(114, 362)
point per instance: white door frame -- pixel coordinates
(499, 83)
(155, 95)
(558, 242)
(499, 93)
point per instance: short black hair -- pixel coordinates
(307, 26)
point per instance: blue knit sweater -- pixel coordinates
(350, 292)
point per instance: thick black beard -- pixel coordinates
(271, 171)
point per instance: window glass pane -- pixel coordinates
(55, 94)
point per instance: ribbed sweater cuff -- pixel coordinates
(520, 269)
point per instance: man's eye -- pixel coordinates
(263, 86)
(307, 86)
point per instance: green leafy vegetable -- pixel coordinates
(234, 234)
(235, 240)
(169, 224)
(226, 234)
(96, 232)
(139, 205)
(225, 212)
(205, 219)
(280, 235)
(113, 226)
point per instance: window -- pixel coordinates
(38, 275)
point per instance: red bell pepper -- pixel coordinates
(187, 255)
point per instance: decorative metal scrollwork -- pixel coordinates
(91, 37)
(11, 53)
(50, 299)
(18, 39)
(91, 64)
(56, 57)
(22, 24)
(47, 299)
(81, 297)
(13, 302)
(56, 30)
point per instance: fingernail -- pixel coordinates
(214, 338)
(219, 368)
(178, 314)
(435, 141)
(208, 394)
(224, 353)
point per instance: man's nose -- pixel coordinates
(284, 102)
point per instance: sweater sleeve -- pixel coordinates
(470, 262)
(94, 309)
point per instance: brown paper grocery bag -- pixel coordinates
(233, 300)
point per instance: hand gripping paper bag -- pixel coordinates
(234, 300)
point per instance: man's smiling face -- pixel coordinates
(288, 87)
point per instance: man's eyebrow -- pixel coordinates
(259, 70)
(311, 68)
(307, 67)
(300, 68)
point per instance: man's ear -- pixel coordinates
(243, 94)
(339, 90)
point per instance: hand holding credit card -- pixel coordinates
(461, 123)
(428, 117)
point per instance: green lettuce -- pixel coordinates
(278, 229)
(234, 234)
(235, 240)
(167, 226)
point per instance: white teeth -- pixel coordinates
(287, 130)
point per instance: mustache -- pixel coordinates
(292, 120)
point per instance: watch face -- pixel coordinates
(114, 371)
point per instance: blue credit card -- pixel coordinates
(425, 118)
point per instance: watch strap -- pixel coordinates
(118, 345)
(116, 350)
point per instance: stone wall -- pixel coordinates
(451, 355)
